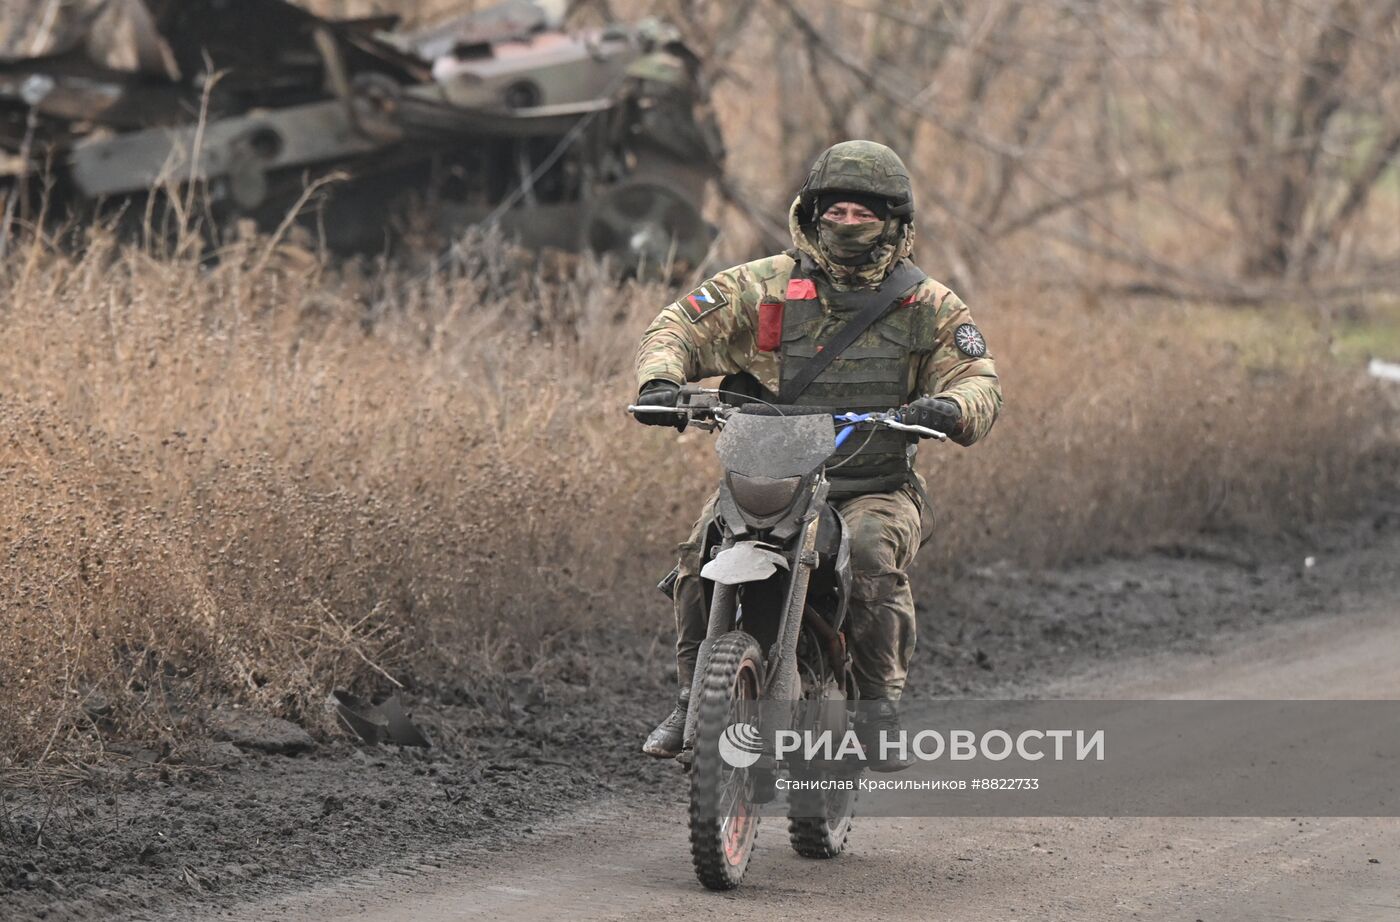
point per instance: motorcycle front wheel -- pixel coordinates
(723, 814)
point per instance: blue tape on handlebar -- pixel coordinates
(850, 419)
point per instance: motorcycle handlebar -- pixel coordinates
(845, 420)
(752, 409)
(788, 409)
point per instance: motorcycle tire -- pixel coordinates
(723, 812)
(819, 822)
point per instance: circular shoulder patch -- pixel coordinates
(970, 341)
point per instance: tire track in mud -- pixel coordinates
(623, 858)
(523, 774)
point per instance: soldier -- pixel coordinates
(762, 323)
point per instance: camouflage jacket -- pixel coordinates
(717, 333)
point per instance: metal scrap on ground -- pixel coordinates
(386, 722)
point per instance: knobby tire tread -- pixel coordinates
(706, 852)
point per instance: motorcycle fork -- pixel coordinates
(781, 681)
(723, 607)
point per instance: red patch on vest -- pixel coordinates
(801, 290)
(909, 300)
(770, 326)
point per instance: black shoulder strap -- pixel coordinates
(872, 305)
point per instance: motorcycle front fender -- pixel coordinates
(744, 562)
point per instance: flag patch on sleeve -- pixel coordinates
(703, 300)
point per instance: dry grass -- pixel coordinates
(1127, 424)
(219, 472)
(259, 479)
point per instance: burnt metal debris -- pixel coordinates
(595, 139)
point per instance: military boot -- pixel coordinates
(876, 717)
(666, 740)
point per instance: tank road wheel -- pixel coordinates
(646, 226)
(723, 815)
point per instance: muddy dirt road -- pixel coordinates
(625, 860)
(534, 800)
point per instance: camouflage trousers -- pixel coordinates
(886, 530)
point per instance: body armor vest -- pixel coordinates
(871, 375)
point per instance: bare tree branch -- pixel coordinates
(886, 89)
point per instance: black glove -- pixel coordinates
(938, 413)
(660, 393)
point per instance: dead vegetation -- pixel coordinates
(1239, 152)
(258, 479)
(257, 476)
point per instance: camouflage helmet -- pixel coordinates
(860, 166)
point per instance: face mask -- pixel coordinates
(848, 244)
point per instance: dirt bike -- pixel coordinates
(777, 578)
